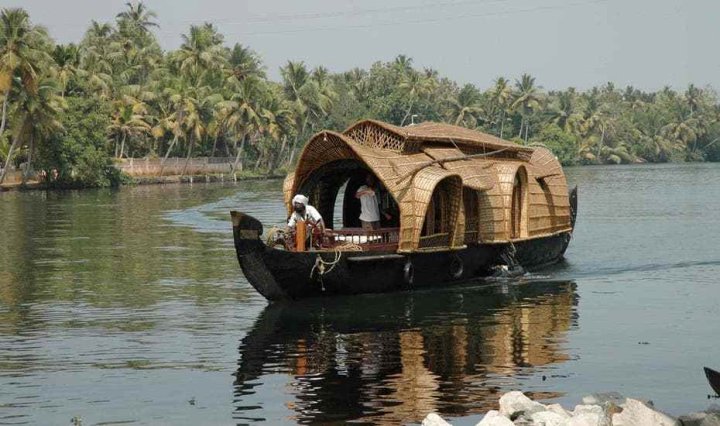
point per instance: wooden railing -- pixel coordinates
(372, 239)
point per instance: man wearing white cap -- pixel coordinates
(303, 211)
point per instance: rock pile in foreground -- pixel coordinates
(604, 409)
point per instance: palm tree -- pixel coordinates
(694, 98)
(128, 121)
(278, 123)
(599, 120)
(402, 64)
(200, 52)
(413, 86)
(95, 54)
(309, 98)
(466, 107)
(67, 58)
(244, 63)
(170, 120)
(562, 111)
(23, 52)
(240, 115)
(35, 118)
(527, 100)
(500, 97)
(137, 17)
(193, 107)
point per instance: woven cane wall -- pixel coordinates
(474, 171)
(414, 207)
(506, 172)
(549, 202)
(545, 209)
(288, 185)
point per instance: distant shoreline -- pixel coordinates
(148, 180)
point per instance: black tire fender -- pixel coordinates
(456, 267)
(408, 272)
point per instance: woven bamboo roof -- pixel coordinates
(440, 133)
(411, 162)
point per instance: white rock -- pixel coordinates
(558, 409)
(512, 403)
(603, 397)
(587, 419)
(636, 413)
(494, 418)
(433, 419)
(588, 409)
(486, 418)
(589, 415)
(548, 418)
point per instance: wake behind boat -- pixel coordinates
(451, 204)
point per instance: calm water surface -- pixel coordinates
(129, 307)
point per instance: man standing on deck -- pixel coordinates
(369, 209)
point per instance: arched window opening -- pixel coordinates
(552, 219)
(517, 208)
(437, 226)
(472, 217)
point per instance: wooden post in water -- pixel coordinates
(300, 233)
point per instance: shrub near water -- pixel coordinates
(76, 156)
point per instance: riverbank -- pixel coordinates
(151, 180)
(601, 409)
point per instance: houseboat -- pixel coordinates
(458, 204)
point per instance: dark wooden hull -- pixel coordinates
(714, 379)
(282, 275)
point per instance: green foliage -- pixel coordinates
(76, 156)
(562, 144)
(94, 168)
(72, 108)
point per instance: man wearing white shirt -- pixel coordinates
(303, 211)
(369, 209)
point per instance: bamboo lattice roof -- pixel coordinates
(440, 133)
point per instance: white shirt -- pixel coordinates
(369, 210)
(310, 213)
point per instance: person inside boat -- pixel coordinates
(303, 211)
(369, 208)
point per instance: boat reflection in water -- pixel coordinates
(395, 358)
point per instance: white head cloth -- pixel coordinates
(299, 198)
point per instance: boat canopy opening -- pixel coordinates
(440, 223)
(518, 209)
(323, 186)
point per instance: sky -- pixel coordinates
(580, 43)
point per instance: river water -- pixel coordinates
(129, 306)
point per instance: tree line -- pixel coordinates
(71, 110)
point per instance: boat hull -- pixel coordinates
(280, 274)
(714, 379)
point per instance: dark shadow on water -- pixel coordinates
(394, 358)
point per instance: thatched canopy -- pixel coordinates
(383, 135)
(417, 161)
